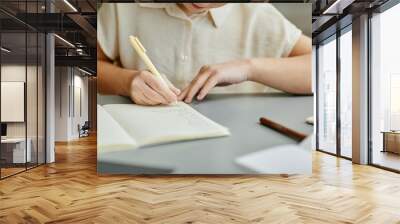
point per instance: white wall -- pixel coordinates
(79, 117)
(34, 126)
(12, 101)
(62, 81)
(69, 81)
(82, 83)
(12, 73)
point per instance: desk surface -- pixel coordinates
(240, 113)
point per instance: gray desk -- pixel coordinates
(240, 113)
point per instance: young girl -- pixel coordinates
(199, 46)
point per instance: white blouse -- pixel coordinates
(179, 45)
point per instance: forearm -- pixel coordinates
(291, 74)
(113, 79)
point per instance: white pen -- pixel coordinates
(142, 53)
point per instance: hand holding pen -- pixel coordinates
(148, 86)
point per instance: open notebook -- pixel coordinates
(128, 126)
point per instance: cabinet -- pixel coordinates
(391, 141)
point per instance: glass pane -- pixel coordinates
(23, 82)
(32, 98)
(32, 86)
(386, 89)
(346, 93)
(41, 98)
(13, 87)
(327, 96)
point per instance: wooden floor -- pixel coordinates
(8, 171)
(5, 172)
(70, 191)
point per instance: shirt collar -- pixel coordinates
(218, 15)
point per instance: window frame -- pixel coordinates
(334, 37)
(31, 30)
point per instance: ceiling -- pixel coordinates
(72, 20)
(75, 22)
(330, 15)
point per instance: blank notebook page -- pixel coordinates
(110, 135)
(161, 124)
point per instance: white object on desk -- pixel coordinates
(282, 159)
(310, 120)
(19, 149)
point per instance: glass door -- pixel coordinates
(13, 104)
(385, 89)
(327, 96)
(22, 91)
(346, 92)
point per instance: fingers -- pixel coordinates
(175, 90)
(138, 98)
(196, 84)
(144, 95)
(156, 84)
(148, 89)
(183, 94)
(171, 86)
(153, 96)
(210, 83)
(147, 101)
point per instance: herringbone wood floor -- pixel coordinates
(70, 191)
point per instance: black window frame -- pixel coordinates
(333, 37)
